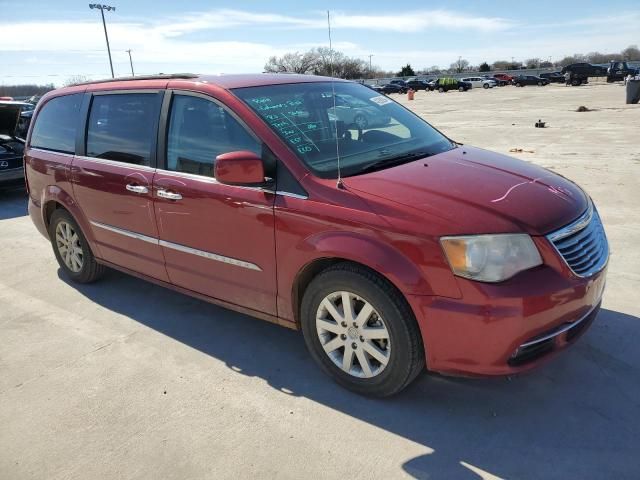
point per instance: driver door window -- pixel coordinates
(199, 131)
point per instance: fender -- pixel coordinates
(53, 193)
(376, 254)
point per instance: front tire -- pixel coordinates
(360, 331)
(441, 90)
(461, 89)
(485, 86)
(72, 250)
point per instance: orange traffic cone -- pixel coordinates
(410, 94)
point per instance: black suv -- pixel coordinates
(584, 69)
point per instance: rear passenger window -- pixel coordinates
(122, 127)
(199, 131)
(56, 124)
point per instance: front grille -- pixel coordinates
(583, 244)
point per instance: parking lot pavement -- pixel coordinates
(124, 379)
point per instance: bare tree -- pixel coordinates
(459, 65)
(532, 63)
(631, 53)
(75, 79)
(295, 62)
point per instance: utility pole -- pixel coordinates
(102, 8)
(370, 68)
(130, 62)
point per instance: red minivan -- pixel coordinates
(321, 205)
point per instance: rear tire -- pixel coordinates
(375, 350)
(540, 84)
(518, 84)
(461, 89)
(72, 250)
(485, 86)
(441, 90)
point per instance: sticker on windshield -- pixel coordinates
(380, 100)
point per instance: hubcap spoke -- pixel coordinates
(364, 315)
(331, 308)
(347, 359)
(375, 333)
(332, 345)
(376, 353)
(364, 363)
(329, 326)
(347, 307)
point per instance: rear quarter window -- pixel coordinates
(56, 124)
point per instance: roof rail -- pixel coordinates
(159, 76)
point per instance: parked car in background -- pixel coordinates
(353, 111)
(499, 81)
(11, 144)
(618, 71)
(445, 84)
(390, 88)
(505, 77)
(479, 82)
(584, 69)
(417, 84)
(553, 77)
(239, 190)
(522, 80)
(400, 83)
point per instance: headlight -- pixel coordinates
(490, 258)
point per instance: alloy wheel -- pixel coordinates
(353, 335)
(69, 248)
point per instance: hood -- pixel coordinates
(9, 117)
(468, 190)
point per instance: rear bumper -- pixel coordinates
(507, 328)
(11, 175)
(35, 212)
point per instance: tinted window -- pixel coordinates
(199, 131)
(123, 127)
(364, 128)
(56, 124)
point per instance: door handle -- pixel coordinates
(137, 188)
(169, 195)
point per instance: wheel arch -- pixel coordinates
(53, 198)
(379, 258)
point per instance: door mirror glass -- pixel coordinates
(239, 168)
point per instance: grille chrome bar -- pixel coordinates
(583, 244)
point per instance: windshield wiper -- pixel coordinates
(387, 162)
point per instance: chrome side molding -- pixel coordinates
(181, 248)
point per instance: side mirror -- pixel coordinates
(239, 168)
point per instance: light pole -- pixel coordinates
(370, 69)
(102, 8)
(130, 62)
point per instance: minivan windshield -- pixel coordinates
(372, 131)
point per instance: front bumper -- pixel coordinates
(510, 327)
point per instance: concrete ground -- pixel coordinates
(123, 379)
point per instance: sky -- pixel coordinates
(49, 42)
